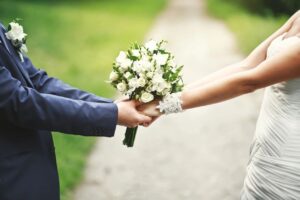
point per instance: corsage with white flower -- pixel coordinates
(17, 37)
(145, 73)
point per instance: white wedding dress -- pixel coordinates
(273, 172)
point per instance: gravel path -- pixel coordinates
(199, 154)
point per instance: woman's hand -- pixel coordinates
(150, 109)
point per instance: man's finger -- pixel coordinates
(144, 119)
(138, 103)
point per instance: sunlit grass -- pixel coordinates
(250, 29)
(77, 42)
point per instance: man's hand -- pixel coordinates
(129, 116)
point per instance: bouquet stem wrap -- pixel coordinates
(130, 135)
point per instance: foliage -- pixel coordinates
(250, 29)
(276, 7)
(77, 43)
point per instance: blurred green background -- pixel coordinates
(77, 42)
(276, 7)
(251, 27)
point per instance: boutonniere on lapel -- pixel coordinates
(17, 37)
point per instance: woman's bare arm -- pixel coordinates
(285, 66)
(226, 71)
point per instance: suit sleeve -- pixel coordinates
(45, 84)
(27, 108)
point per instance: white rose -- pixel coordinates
(125, 63)
(161, 59)
(113, 76)
(159, 71)
(145, 63)
(135, 53)
(165, 92)
(121, 87)
(16, 32)
(146, 97)
(149, 89)
(154, 88)
(149, 74)
(162, 86)
(151, 45)
(157, 79)
(141, 82)
(137, 66)
(167, 89)
(143, 76)
(133, 83)
(127, 75)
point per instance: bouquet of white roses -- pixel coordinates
(144, 73)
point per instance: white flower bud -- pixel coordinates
(133, 83)
(113, 76)
(151, 45)
(123, 61)
(121, 87)
(149, 74)
(141, 82)
(161, 59)
(122, 56)
(127, 75)
(135, 53)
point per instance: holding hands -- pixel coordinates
(129, 116)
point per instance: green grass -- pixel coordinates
(250, 29)
(77, 42)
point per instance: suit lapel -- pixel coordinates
(6, 60)
(3, 38)
(24, 73)
(15, 56)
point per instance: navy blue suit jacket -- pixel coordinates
(31, 106)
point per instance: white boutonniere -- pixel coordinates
(17, 37)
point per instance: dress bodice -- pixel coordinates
(273, 170)
(280, 113)
(292, 87)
